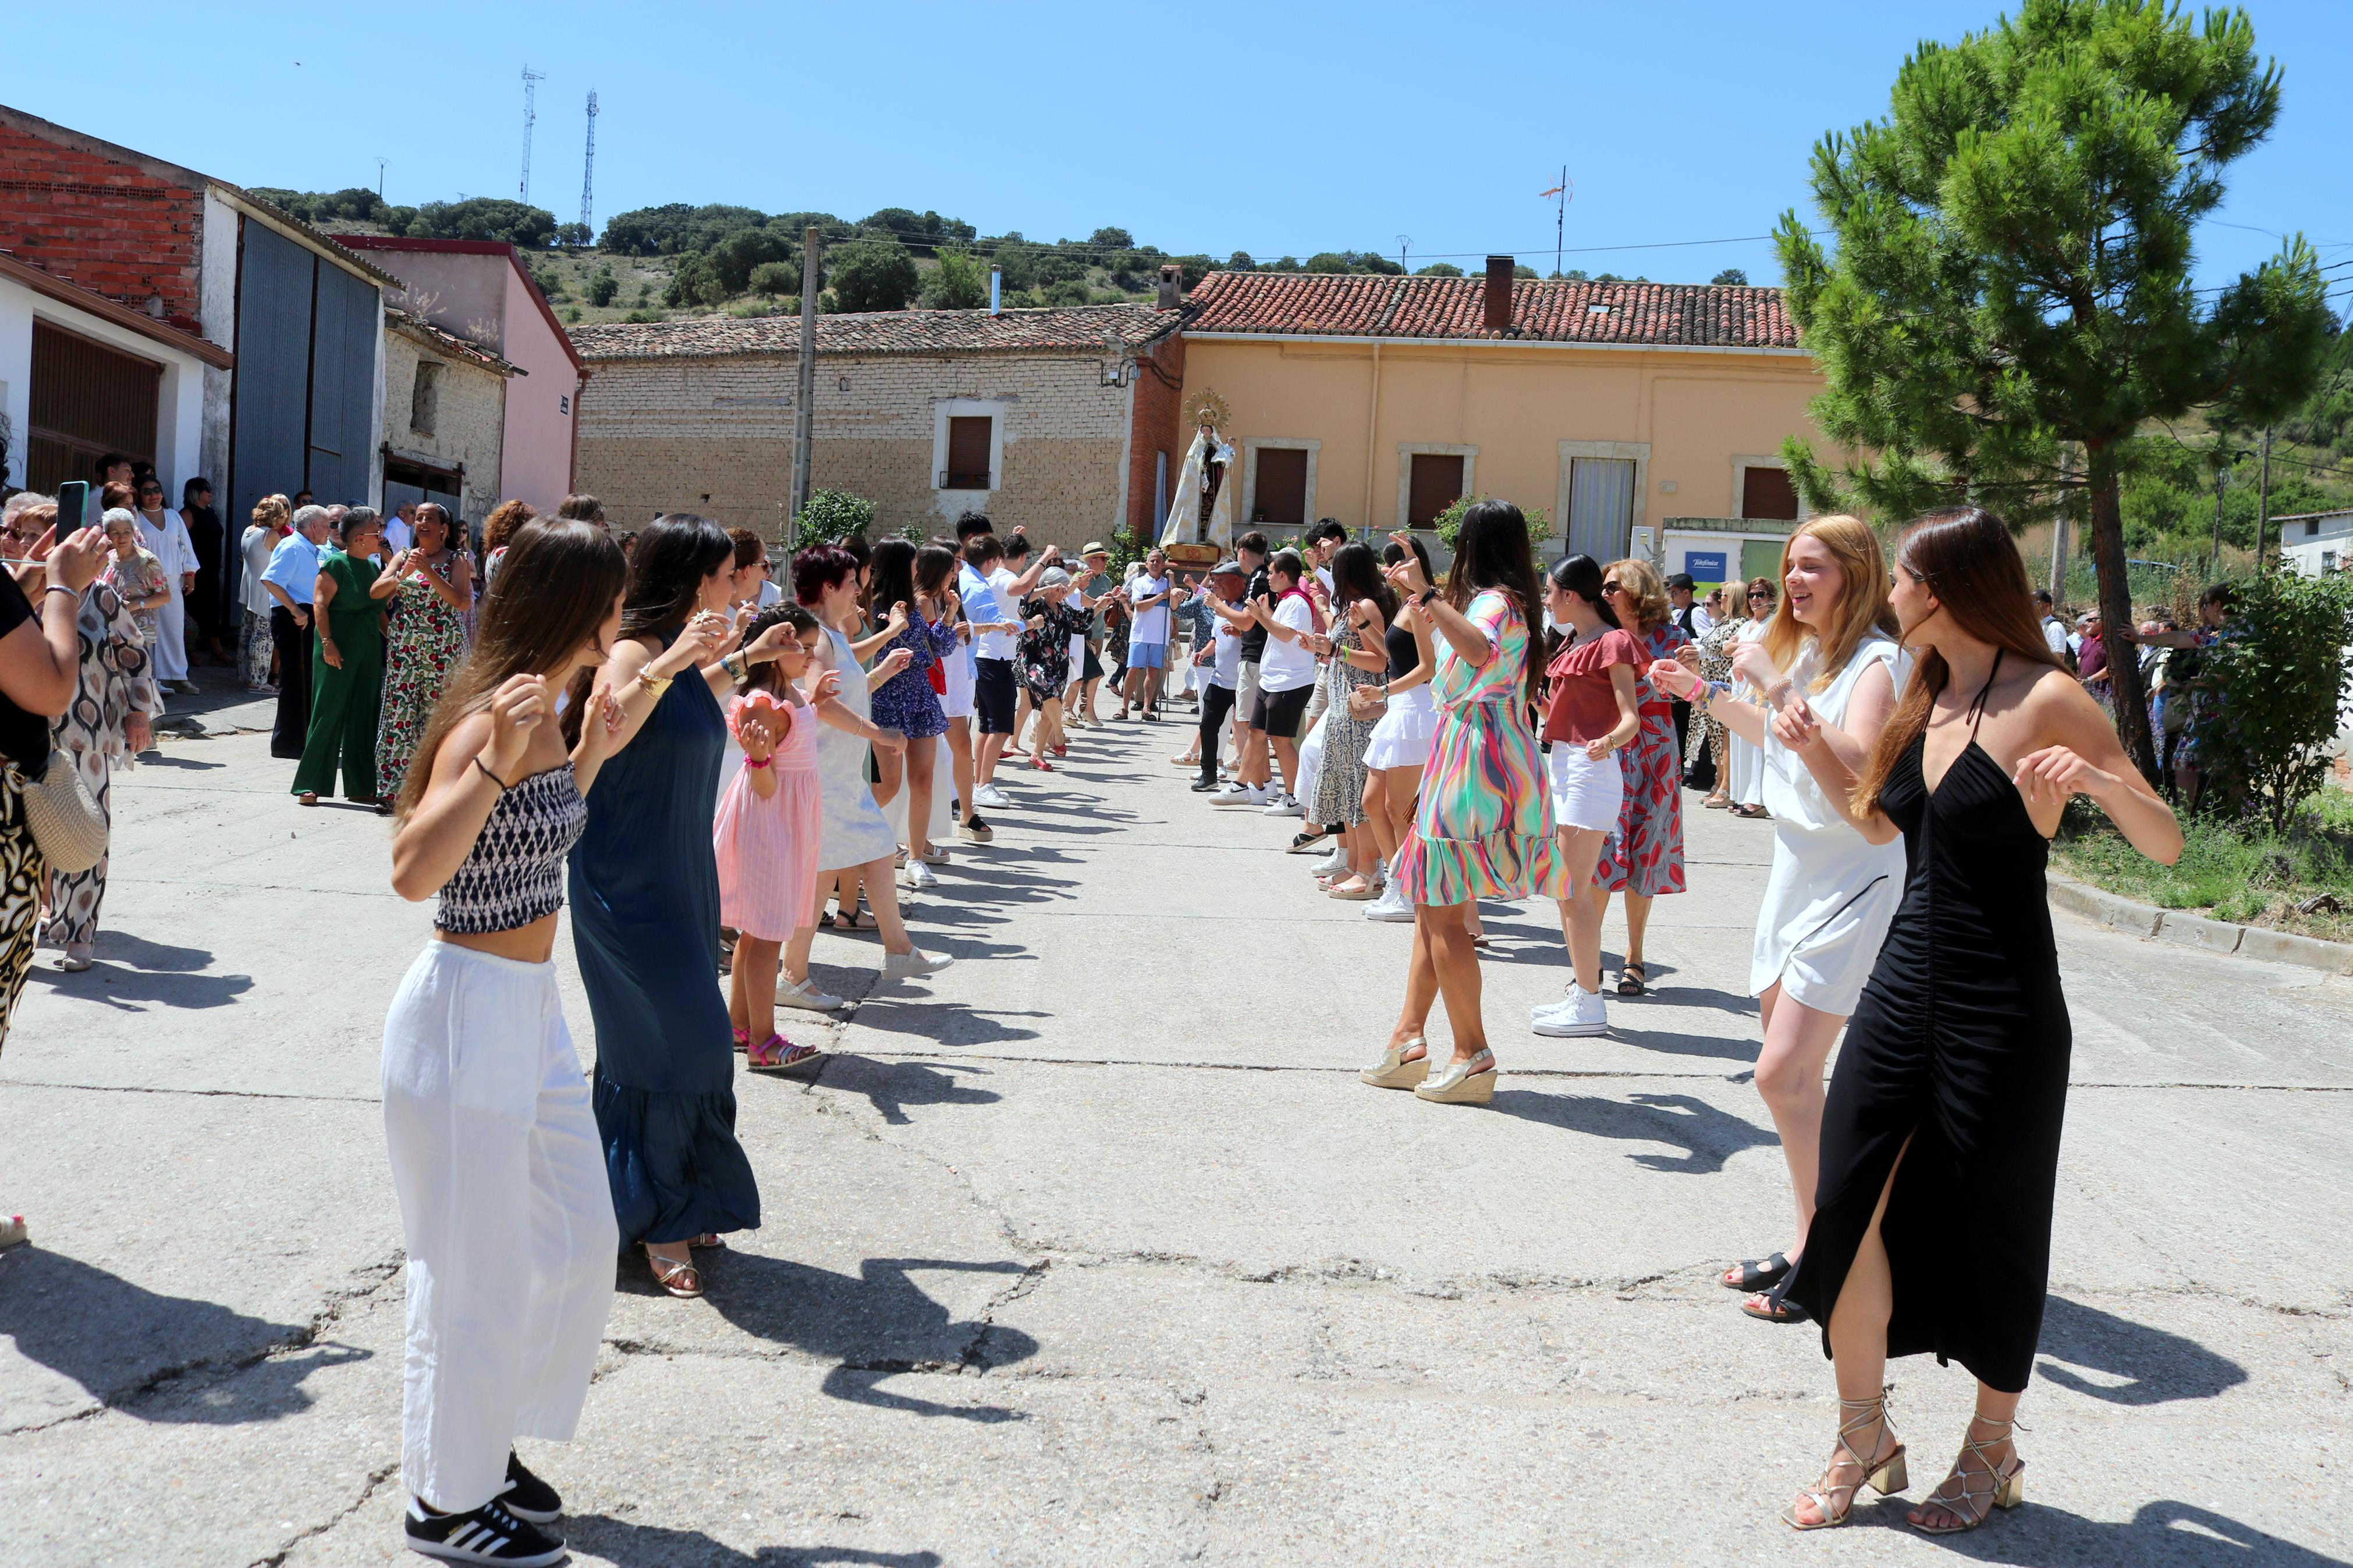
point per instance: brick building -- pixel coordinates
(445, 403)
(284, 325)
(1062, 420)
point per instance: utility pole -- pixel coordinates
(2263, 508)
(530, 118)
(380, 163)
(803, 406)
(2059, 523)
(1405, 243)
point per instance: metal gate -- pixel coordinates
(86, 400)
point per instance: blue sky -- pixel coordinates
(1270, 127)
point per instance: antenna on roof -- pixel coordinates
(530, 118)
(588, 173)
(1561, 195)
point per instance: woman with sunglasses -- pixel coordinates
(1743, 774)
(167, 538)
(1645, 855)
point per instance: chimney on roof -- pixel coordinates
(1172, 288)
(995, 291)
(1498, 298)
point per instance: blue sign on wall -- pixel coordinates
(1704, 565)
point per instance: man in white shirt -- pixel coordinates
(992, 602)
(1147, 638)
(1219, 662)
(1286, 675)
(2055, 630)
(400, 528)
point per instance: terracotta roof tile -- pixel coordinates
(1693, 315)
(1068, 328)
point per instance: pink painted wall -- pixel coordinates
(536, 464)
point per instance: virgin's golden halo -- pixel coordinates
(1206, 407)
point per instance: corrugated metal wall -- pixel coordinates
(343, 385)
(272, 389)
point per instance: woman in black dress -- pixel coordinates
(1940, 1140)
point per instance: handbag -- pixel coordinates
(62, 817)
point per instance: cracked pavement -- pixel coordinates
(1093, 1250)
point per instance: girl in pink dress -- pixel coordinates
(765, 836)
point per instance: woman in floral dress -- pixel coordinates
(425, 645)
(1362, 606)
(1708, 735)
(1484, 827)
(1055, 614)
(1645, 855)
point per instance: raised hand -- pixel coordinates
(1795, 727)
(759, 742)
(899, 617)
(2049, 777)
(771, 641)
(517, 708)
(894, 663)
(74, 562)
(1753, 664)
(827, 687)
(1671, 677)
(1408, 572)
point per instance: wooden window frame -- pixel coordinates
(996, 410)
(1406, 451)
(1252, 446)
(1636, 452)
(1744, 462)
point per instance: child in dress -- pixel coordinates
(765, 836)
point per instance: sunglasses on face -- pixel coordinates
(1612, 588)
(1760, 594)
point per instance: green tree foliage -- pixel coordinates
(775, 278)
(1352, 261)
(2012, 272)
(485, 218)
(676, 228)
(919, 232)
(732, 258)
(603, 287)
(1112, 239)
(1730, 278)
(693, 282)
(573, 236)
(958, 283)
(1070, 291)
(829, 515)
(872, 275)
(1439, 270)
(2272, 687)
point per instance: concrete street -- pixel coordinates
(1093, 1250)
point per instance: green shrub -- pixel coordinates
(602, 287)
(2269, 690)
(775, 278)
(694, 283)
(1448, 523)
(868, 275)
(958, 283)
(830, 515)
(571, 315)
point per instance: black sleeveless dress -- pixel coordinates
(1961, 1044)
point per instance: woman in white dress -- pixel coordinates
(1744, 759)
(1400, 743)
(854, 836)
(1831, 892)
(167, 538)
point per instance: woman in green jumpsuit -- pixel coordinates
(347, 663)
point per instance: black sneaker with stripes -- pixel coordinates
(489, 1533)
(528, 1496)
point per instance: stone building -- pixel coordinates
(445, 402)
(1062, 420)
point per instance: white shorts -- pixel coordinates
(1585, 793)
(956, 701)
(1403, 737)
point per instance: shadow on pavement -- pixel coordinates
(1708, 1136)
(2164, 1534)
(891, 1087)
(156, 957)
(150, 1356)
(127, 988)
(2161, 1367)
(625, 1542)
(877, 1324)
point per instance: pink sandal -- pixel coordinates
(743, 1039)
(776, 1053)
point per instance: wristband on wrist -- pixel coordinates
(763, 762)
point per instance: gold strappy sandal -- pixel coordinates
(1972, 1495)
(667, 1273)
(1884, 1474)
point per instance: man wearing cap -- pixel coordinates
(1147, 638)
(1218, 659)
(1086, 661)
(1687, 612)
(2092, 656)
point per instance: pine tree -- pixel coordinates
(2012, 274)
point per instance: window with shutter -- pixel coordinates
(1282, 486)
(1437, 484)
(1768, 493)
(968, 443)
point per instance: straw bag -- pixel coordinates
(63, 818)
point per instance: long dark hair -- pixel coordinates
(935, 568)
(1964, 556)
(674, 556)
(770, 676)
(894, 576)
(1581, 576)
(1492, 552)
(554, 590)
(1356, 574)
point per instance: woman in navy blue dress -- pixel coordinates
(645, 906)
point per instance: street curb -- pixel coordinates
(2149, 922)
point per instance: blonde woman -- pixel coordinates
(1645, 855)
(1831, 892)
(273, 518)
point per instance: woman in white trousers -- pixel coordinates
(495, 1154)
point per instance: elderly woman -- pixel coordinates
(272, 520)
(114, 700)
(1055, 614)
(347, 663)
(135, 575)
(426, 642)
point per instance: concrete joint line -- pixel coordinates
(198, 1093)
(367, 1493)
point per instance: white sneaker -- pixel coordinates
(990, 795)
(1390, 906)
(1333, 859)
(913, 966)
(1237, 794)
(805, 994)
(1284, 806)
(921, 876)
(1581, 1012)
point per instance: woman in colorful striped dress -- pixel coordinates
(1483, 828)
(1645, 855)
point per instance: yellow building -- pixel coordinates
(1613, 406)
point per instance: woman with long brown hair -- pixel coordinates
(1484, 827)
(1645, 855)
(1940, 1141)
(495, 1156)
(1830, 891)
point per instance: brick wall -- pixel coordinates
(108, 225)
(1159, 411)
(468, 418)
(716, 436)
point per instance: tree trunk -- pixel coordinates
(2117, 610)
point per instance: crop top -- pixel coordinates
(1404, 651)
(514, 873)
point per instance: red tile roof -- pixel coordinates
(1067, 328)
(1683, 315)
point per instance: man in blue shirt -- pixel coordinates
(289, 579)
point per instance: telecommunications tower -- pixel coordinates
(589, 172)
(530, 118)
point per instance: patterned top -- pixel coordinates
(514, 873)
(116, 678)
(140, 577)
(1501, 679)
